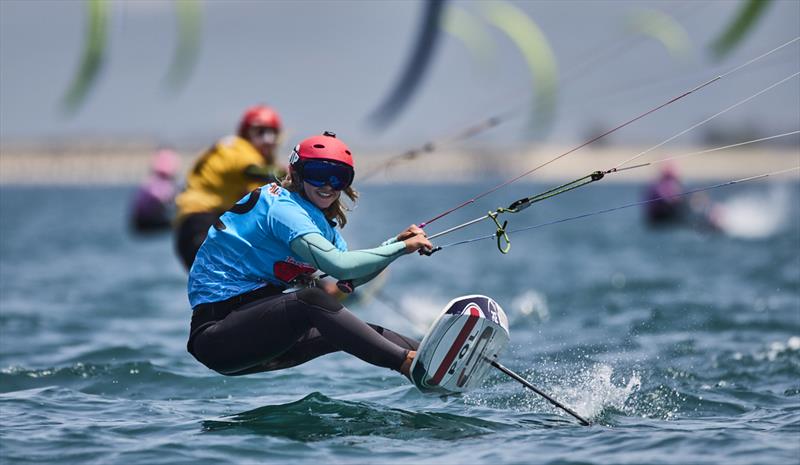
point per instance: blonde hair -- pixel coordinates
(336, 211)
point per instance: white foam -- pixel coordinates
(755, 216)
(596, 391)
(420, 310)
(530, 304)
(776, 348)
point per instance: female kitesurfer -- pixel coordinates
(275, 238)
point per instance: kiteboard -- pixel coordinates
(459, 348)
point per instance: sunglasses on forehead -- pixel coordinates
(319, 173)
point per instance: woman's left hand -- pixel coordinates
(411, 231)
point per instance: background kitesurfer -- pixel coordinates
(667, 207)
(244, 320)
(227, 171)
(153, 203)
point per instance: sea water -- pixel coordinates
(681, 345)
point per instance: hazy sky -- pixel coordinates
(327, 64)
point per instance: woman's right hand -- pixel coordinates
(418, 242)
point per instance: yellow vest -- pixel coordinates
(218, 180)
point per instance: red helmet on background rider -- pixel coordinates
(261, 116)
(322, 160)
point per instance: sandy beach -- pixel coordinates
(108, 164)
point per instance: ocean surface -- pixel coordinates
(682, 345)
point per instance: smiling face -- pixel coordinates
(323, 197)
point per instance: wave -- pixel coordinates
(708, 387)
(778, 362)
(317, 417)
(125, 379)
(693, 317)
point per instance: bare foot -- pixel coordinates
(405, 368)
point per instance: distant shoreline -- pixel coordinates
(128, 165)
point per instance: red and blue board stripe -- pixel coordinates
(475, 314)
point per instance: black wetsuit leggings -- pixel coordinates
(285, 330)
(190, 234)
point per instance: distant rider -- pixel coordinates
(223, 174)
(666, 206)
(244, 320)
(670, 206)
(153, 203)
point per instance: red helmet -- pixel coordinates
(324, 147)
(259, 115)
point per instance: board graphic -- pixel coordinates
(458, 350)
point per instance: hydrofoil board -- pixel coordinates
(459, 348)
